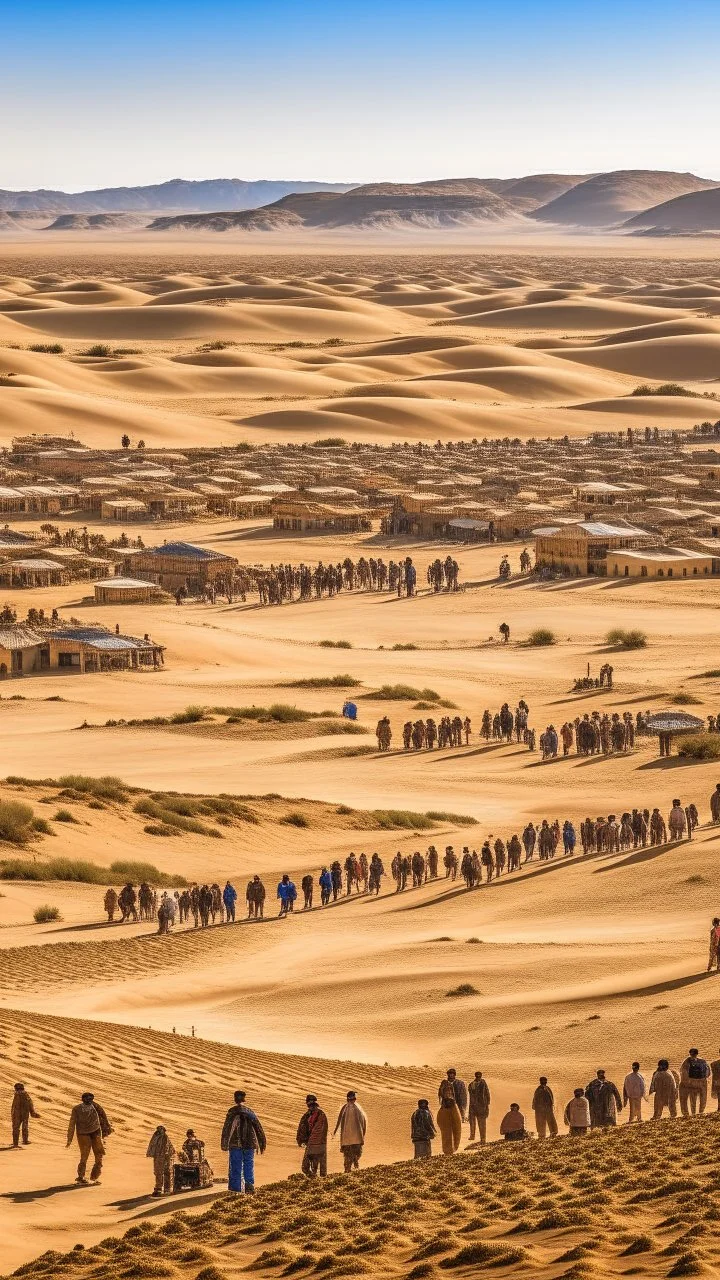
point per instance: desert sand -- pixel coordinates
(575, 964)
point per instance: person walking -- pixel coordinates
(543, 1104)
(307, 884)
(459, 1088)
(694, 1075)
(577, 1114)
(287, 895)
(21, 1112)
(312, 1134)
(90, 1125)
(714, 952)
(634, 1093)
(325, 882)
(229, 900)
(449, 1118)
(605, 1102)
(422, 1130)
(162, 1153)
(352, 1123)
(242, 1136)
(715, 1089)
(478, 1107)
(664, 1085)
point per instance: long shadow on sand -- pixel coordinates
(42, 1193)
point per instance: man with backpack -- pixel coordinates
(694, 1075)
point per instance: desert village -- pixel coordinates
(450, 678)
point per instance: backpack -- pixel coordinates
(696, 1069)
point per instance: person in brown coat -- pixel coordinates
(162, 1153)
(21, 1111)
(478, 1106)
(543, 1104)
(664, 1085)
(312, 1134)
(90, 1124)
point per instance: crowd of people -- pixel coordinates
(277, 584)
(595, 1106)
(205, 905)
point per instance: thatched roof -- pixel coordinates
(673, 722)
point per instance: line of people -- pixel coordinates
(500, 726)
(204, 904)
(594, 1106)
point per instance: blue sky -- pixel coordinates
(119, 93)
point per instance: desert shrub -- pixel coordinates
(98, 349)
(699, 746)
(401, 819)
(64, 815)
(295, 819)
(160, 829)
(217, 345)
(335, 644)
(459, 819)
(191, 715)
(420, 1271)
(403, 648)
(682, 699)
(708, 675)
(486, 1252)
(619, 638)
(15, 821)
(164, 812)
(465, 989)
(343, 681)
(423, 706)
(331, 442)
(640, 1244)
(688, 1264)
(665, 389)
(47, 348)
(42, 827)
(404, 693)
(46, 913)
(285, 714)
(128, 869)
(127, 351)
(105, 788)
(541, 637)
(344, 809)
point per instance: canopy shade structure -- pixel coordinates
(673, 722)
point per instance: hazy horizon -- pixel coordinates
(133, 95)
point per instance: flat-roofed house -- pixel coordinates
(661, 562)
(581, 548)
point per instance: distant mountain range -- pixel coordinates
(178, 195)
(640, 201)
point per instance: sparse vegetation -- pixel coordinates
(64, 815)
(78, 871)
(403, 648)
(335, 644)
(541, 638)
(464, 989)
(47, 348)
(620, 638)
(45, 914)
(191, 715)
(98, 349)
(331, 442)
(699, 746)
(295, 819)
(16, 821)
(343, 681)
(664, 389)
(683, 699)
(403, 693)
